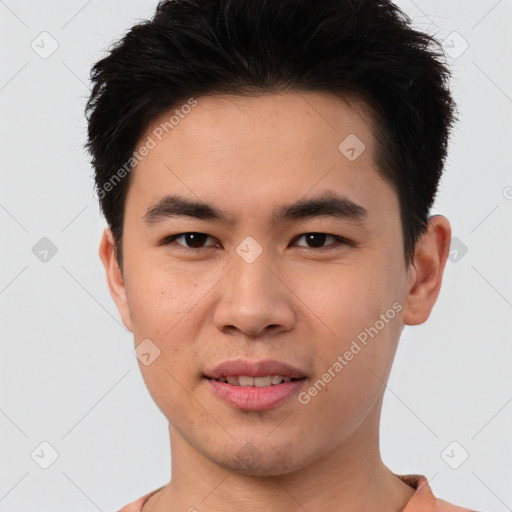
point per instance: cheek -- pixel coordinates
(357, 313)
(346, 298)
(159, 297)
(165, 307)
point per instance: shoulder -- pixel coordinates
(444, 506)
(136, 506)
(424, 499)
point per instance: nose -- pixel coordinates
(254, 300)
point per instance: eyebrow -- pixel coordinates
(327, 205)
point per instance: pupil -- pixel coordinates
(195, 239)
(316, 239)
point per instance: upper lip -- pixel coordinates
(244, 367)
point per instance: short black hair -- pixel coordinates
(355, 49)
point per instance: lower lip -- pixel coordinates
(252, 398)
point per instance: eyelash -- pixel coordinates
(338, 241)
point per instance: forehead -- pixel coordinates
(227, 121)
(250, 151)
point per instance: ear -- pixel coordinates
(114, 275)
(426, 270)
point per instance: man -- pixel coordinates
(266, 169)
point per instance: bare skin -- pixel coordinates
(296, 302)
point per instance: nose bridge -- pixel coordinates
(252, 278)
(252, 298)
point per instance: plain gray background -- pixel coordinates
(68, 375)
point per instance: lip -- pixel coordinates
(254, 398)
(239, 367)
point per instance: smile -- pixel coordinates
(259, 382)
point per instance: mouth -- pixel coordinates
(255, 393)
(257, 382)
(243, 372)
(254, 386)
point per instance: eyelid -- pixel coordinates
(339, 240)
(172, 238)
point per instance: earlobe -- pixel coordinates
(114, 276)
(426, 271)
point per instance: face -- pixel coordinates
(277, 244)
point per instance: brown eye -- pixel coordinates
(191, 240)
(317, 240)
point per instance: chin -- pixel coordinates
(251, 461)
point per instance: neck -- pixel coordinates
(349, 477)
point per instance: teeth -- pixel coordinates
(276, 379)
(246, 381)
(259, 382)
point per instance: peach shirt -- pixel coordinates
(422, 501)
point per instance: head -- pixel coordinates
(309, 135)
